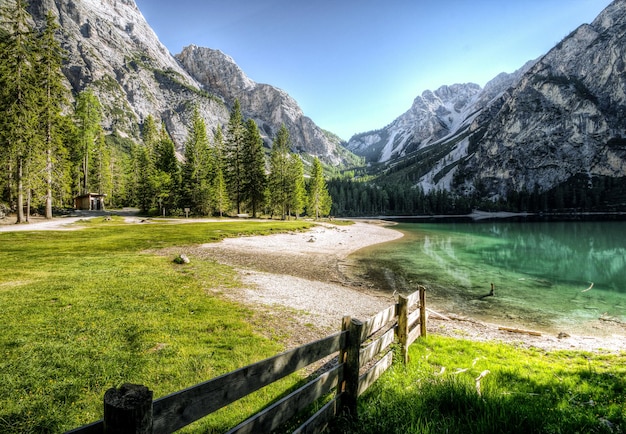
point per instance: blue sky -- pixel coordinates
(355, 66)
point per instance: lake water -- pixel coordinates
(553, 276)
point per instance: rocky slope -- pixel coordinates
(556, 119)
(269, 106)
(112, 49)
(433, 135)
(564, 118)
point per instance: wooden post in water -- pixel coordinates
(422, 291)
(403, 327)
(128, 410)
(351, 367)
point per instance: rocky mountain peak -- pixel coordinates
(114, 51)
(564, 119)
(269, 106)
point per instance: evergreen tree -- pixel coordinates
(19, 99)
(254, 178)
(319, 202)
(101, 177)
(196, 181)
(296, 190)
(220, 197)
(278, 180)
(234, 156)
(143, 169)
(88, 115)
(167, 164)
(150, 135)
(54, 97)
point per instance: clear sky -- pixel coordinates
(356, 65)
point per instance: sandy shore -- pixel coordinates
(308, 274)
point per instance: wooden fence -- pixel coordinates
(364, 353)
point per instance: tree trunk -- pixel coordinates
(49, 184)
(20, 193)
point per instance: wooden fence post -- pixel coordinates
(422, 293)
(403, 327)
(128, 410)
(351, 367)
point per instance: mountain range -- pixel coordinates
(112, 49)
(557, 118)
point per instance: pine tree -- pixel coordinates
(196, 181)
(296, 195)
(19, 98)
(167, 163)
(101, 176)
(278, 179)
(254, 178)
(234, 156)
(54, 97)
(88, 115)
(150, 135)
(220, 196)
(319, 201)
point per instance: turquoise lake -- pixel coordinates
(565, 276)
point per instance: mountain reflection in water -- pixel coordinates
(546, 274)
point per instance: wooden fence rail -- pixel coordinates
(364, 352)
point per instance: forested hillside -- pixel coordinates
(52, 151)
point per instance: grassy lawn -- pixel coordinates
(83, 311)
(522, 391)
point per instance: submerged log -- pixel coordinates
(492, 293)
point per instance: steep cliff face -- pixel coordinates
(565, 118)
(111, 48)
(431, 139)
(433, 116)
(269, 106)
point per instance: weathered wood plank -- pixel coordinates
(413, 316)
(367, 379)
(318, 423)
(413, 298)
(403, 327)
(422, 294)
(374, 324)
(413, 335)
(377, 346)
(351, 367)
(280, 412)
(179, 409)
(92, 428)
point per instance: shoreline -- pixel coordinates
(309, 273)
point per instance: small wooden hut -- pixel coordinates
(90, 202)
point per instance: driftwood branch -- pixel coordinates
(526, 332)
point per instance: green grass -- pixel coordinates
(83, 311)
(525, 391)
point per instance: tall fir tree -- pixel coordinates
(319, 200)
(53, 99)
(221, 201)
(19, 100)
(88, 116)
(254, 178)
(234, 156)
(196, 181)
(296, 195)
(278, 180)
(167, 164)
